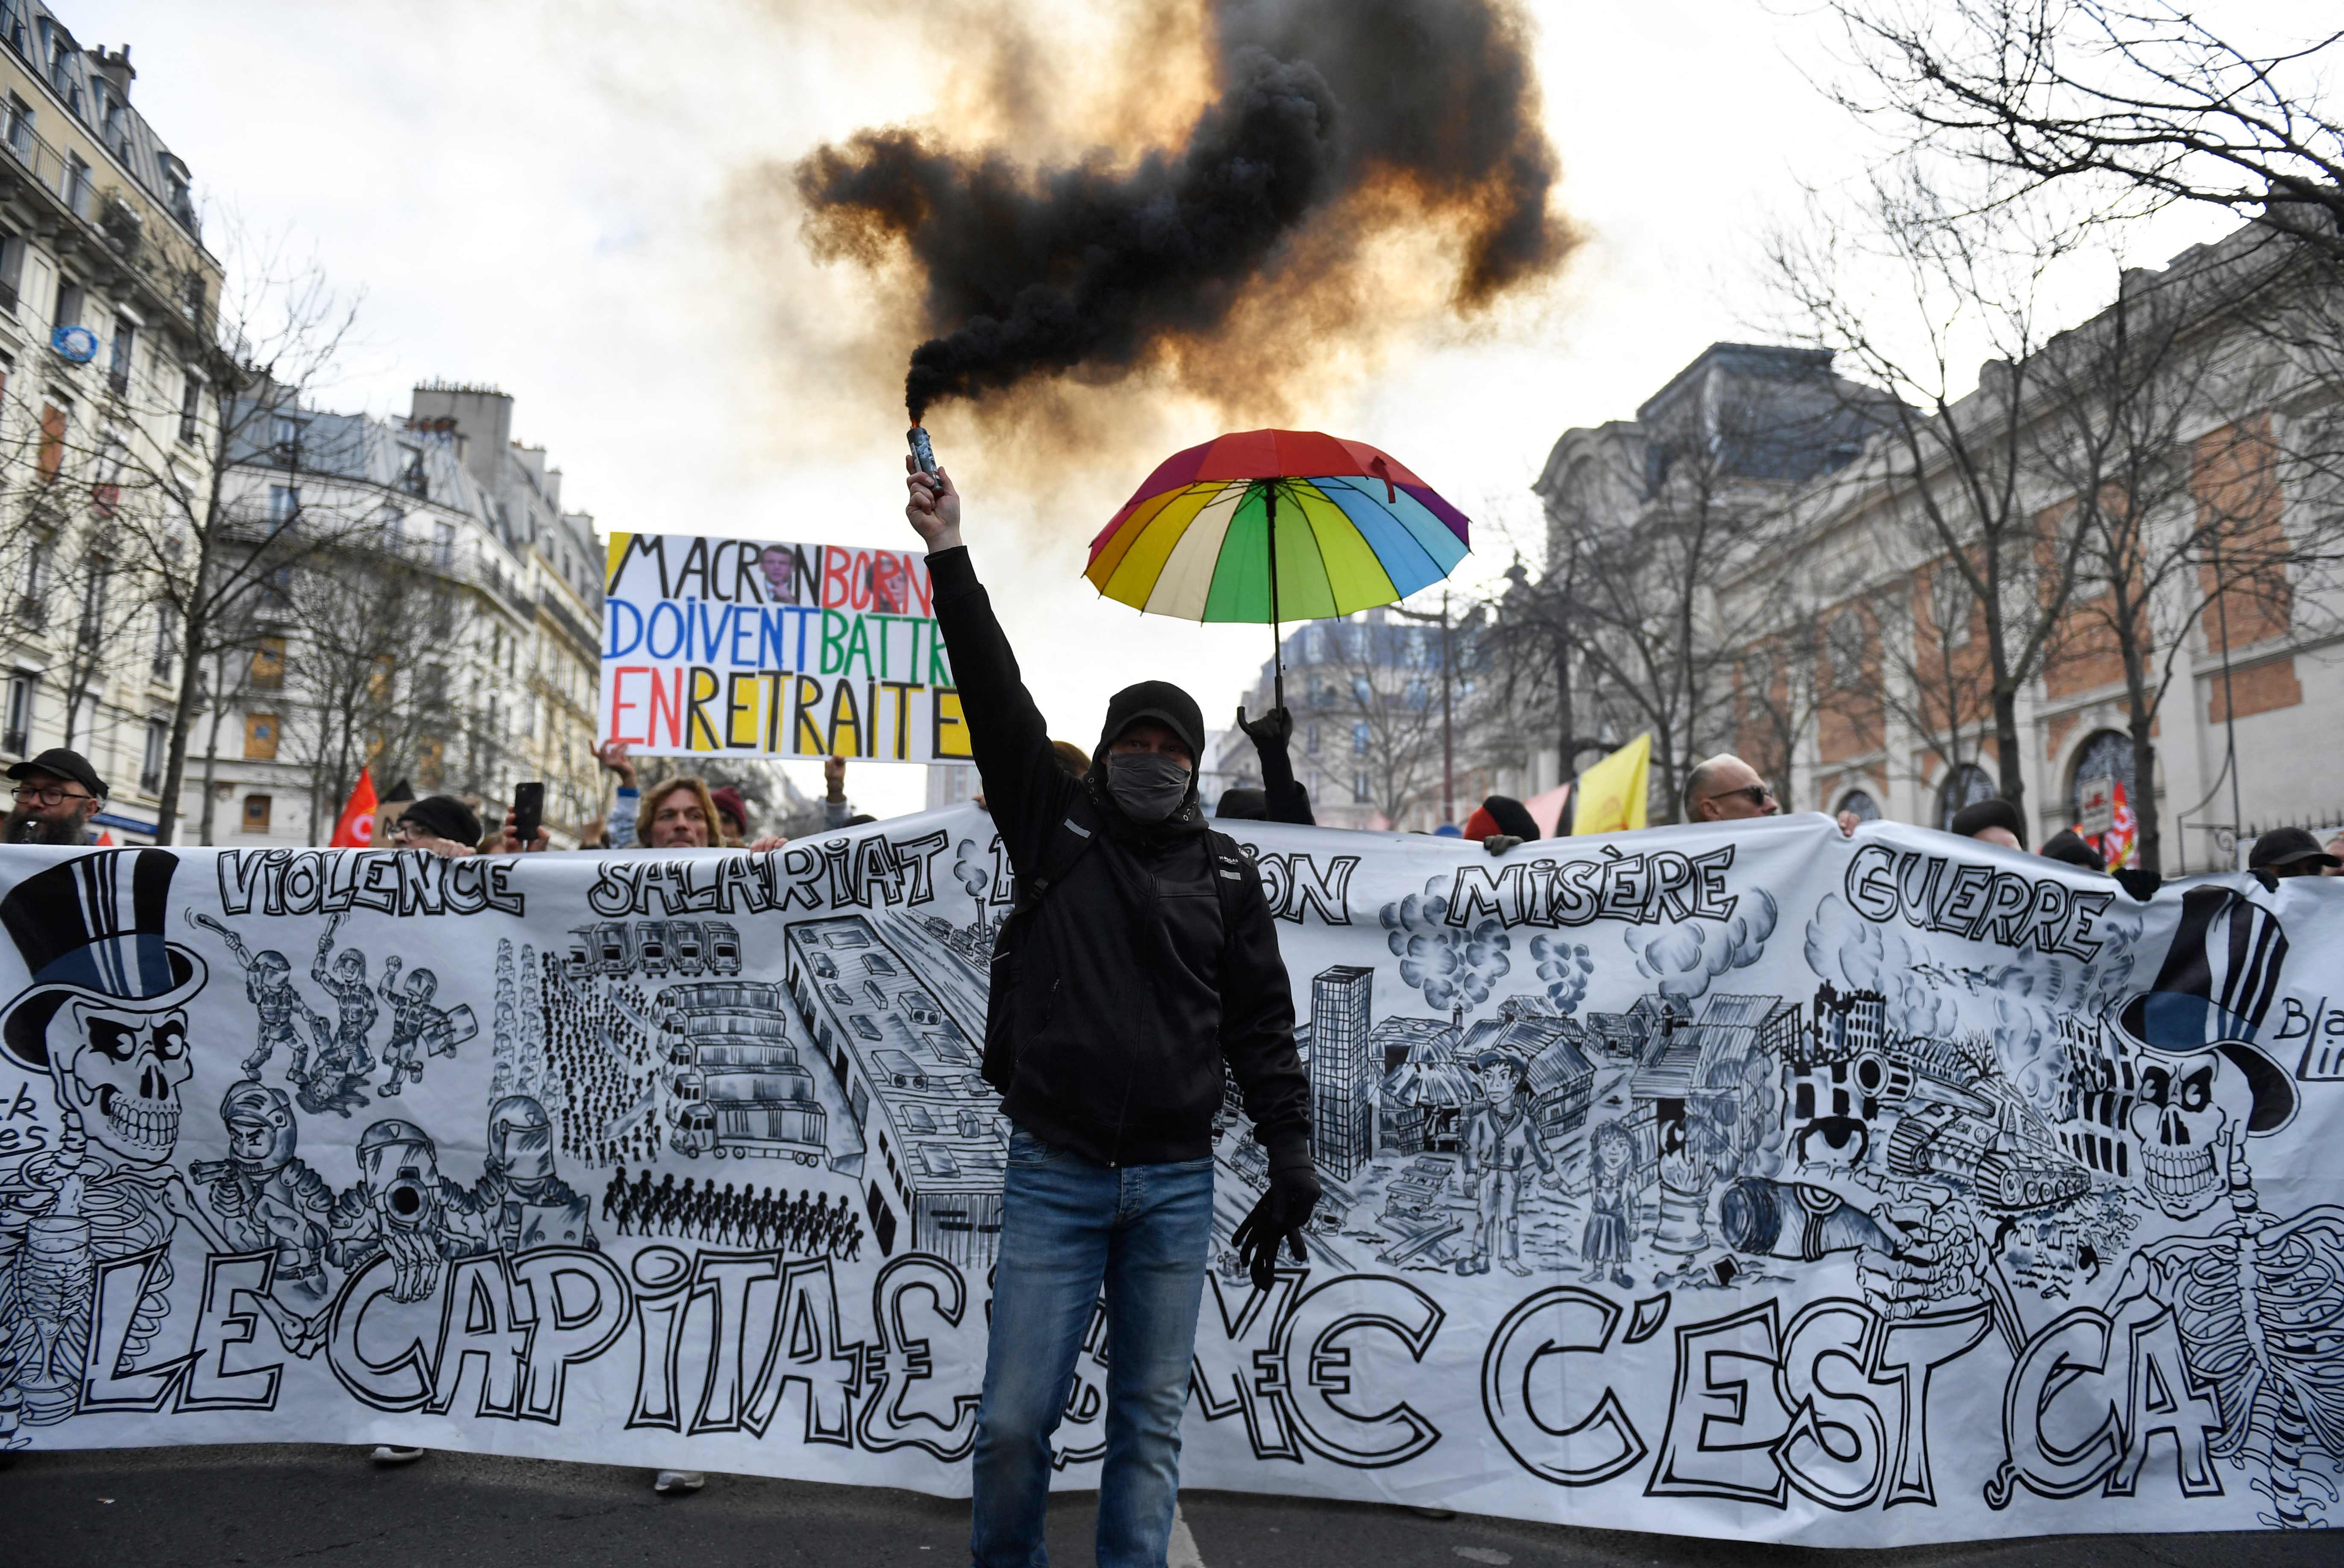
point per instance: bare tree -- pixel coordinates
(361, 617)
(1380, 688)
(1634, 602)
(190, 513)
(1907, 296)
(2140, 100)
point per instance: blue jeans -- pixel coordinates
(1067, 1225)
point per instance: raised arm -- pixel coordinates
(1024, 788)
(1284, 797)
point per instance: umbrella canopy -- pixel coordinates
(1353, 527)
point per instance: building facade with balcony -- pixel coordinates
(108, 316)
(438, 628)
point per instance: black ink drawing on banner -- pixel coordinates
(104, 1020)
(1908, 1151)
(339, 1070)
(417, 1026)
(264, 1194)
(2258, 1305)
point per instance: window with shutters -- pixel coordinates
(51, 460)
(261, 737)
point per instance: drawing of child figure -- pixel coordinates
(1611, 1203)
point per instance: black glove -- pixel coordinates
(1275, 727)
(1280, 1215)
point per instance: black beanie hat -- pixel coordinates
(1164, 703)
(1511, 816)
(444, 817)
(1991, 812)
(2073, 848)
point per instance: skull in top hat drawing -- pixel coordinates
(2206, 1086)
(105, 1018)
(105, 1015)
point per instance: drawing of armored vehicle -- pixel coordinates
(684, 946)
(650, 948)
(723, 948)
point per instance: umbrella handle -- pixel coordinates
(1276, 644)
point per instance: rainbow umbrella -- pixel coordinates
(1200, 539)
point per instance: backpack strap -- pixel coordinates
(1068, 842)
(1229, 878)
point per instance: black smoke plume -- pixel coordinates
(1335, 120)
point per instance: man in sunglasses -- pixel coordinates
(56, 794)
(1725, 789)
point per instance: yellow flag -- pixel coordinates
(1611, 795)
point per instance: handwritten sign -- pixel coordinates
(760, 648)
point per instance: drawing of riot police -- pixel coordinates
(417, 1026)
(263, 1191)
(526, 1203)
(268, 986)
(104, 1021)
(343, 1058)
(404, 1206)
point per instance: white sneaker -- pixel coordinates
(392, 1453)
(675, 1483)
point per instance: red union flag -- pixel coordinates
(2116, 844)
(354, 828)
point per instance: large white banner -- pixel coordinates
(1860, 1190)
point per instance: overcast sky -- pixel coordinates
(572, 200)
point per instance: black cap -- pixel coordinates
(1159, 701)
(2288, 847)
(1991, 812)
(444, 817)
(60, 763)
(1243, 803)
(2073, 848)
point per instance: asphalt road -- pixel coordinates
(163, 1508)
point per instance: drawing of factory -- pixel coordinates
(897, 1017)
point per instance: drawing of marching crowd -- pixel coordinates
(2031, 1137)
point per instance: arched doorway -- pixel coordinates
(1859, 805)
(2106, 754)
(1964, 785)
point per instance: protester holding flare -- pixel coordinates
(1141, 957)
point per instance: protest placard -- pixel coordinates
(765, 649)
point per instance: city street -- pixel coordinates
(166, 1508)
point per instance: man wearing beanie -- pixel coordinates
(1994, 821)
(1140, 957)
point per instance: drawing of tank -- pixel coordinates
(745, 1092)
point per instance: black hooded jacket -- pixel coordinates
(1129, 994)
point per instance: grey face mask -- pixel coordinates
(1148, 785)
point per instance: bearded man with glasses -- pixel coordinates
(56, 794)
